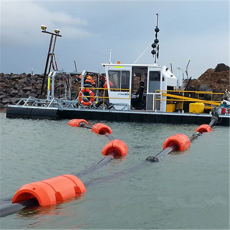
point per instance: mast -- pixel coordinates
(155, 45)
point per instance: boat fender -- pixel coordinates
(51, 191)
(204, 128)
(115, 146)
(102, 129)
(78, 122)
(181, 141)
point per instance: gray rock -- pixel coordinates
(13, 93)
(14, 77)
(21, 81)
(33, 95)
(6, 100)
(28, 88)
(203, 87)
(14, 100)
(221, 67)
(6, 81)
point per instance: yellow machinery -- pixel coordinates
(175, 100)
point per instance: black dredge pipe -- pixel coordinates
(173, 147)
(9, 208)
(6, 205)
(98, 165)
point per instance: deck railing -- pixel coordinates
(102, 91)
(182, 96)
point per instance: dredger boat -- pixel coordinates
(133, 92)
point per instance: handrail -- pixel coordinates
(191, 99)
(51, 102)
(103, 97)
(26, 101)
(183, 98)
(188, 91)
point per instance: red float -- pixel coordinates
(181, 141)
(77, 122)
(204, 128)
(117, 146)
(102, 129)
(51, 191)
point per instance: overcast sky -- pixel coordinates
(196, 30)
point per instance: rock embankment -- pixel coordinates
(216, 79)
(13, 87)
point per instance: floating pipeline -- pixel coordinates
(51, 191)
(27, 196)
(181, 142)
(47, 192)
(178, 142)
(114, 149)
(58, 189)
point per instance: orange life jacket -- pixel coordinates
(106, 85)
(89, 79)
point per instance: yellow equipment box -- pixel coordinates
(196, 107)
(170, 108)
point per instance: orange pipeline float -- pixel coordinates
(62, 188)
(204, 128)
(51, 191)
(58, 189)
(115, 148)
(181, 142)
(77, 122)
(101, 129)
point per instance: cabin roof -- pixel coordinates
(132, 65)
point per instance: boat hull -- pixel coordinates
(32, 112)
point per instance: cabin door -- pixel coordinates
(153, 84)
(120, 85)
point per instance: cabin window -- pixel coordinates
(154, 81)
(120, 80)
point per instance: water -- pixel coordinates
(184, 191)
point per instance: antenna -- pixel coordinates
(110, 56)
(155, 45)
(171, 67)
(186, 71)
(75, 64)
(141, 54)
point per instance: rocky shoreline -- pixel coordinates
(13, 87)
(216, 80)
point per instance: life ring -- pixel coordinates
(81, 93)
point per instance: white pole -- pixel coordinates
(110, 56)
(179, 78)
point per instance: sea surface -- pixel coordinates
(188, 190)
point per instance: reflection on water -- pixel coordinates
(187, 190)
